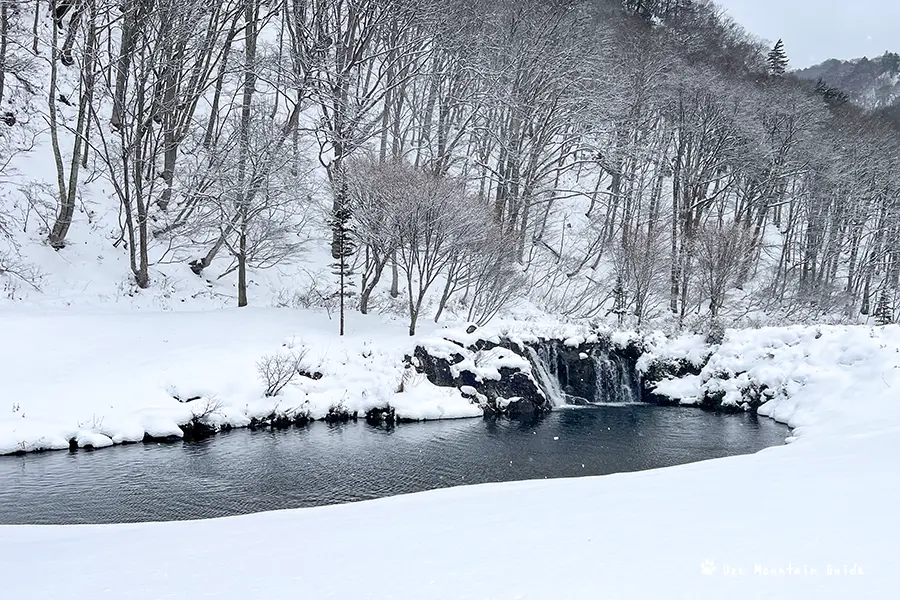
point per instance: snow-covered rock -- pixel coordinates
(807, 377)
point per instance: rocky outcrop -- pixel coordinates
(660, 370)
(523, 380)
(494, 374)
(712, 388)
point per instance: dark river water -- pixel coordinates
(250, 471)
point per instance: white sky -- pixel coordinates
(816, 30)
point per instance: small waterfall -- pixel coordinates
(617, 380)
(544, 363)
(569, 376)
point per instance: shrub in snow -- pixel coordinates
(339, 413)
(277, 370)
(410, 378)
(314, 296)
(203, 423)
(715, 332)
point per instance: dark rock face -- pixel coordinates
(587, 373)
(339, 414)
(437, 369)
(514, 384)
(196, 429)
(752, 396)
(277, 420)
(162, 439)
(386, 415)
(574, 374)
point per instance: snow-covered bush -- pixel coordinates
(277, 370)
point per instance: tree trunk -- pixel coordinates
(395, 276)
(242, 270)
(242, 202)
(67, 190)
(675, 275)
(130, 23)
(66, 55)
(371, 282)
(4, 28)
(34, 27)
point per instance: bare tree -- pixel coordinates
(276, 371)
(720, 253)
(376, 195)
(437, 220)
(67, 182)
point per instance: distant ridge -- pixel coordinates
(873, 83)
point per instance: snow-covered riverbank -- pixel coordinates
(94, 379)
(105, 378)
(820, 380)
(816, 518)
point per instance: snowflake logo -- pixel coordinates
(708, 567)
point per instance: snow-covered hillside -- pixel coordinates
(637, 177)
(872, 83)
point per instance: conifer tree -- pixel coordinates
(884, 313)
(619, 300)
(343, 249)
(778, 60)
(832, 95)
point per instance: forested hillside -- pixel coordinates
(871, 83)
(640, 161)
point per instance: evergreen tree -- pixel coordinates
(778, 60)
(619, 300)
(343, 249)
(884, 313)
(831, 95)
(646, 9)
(890, 62)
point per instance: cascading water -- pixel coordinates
(543, 363)
(569, 376)
(617, 380)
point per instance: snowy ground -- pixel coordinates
(814, 519)
(112, 377)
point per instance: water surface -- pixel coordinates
(250, 471)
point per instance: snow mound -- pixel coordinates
(814, 379)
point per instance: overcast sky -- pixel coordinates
(816, 30)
